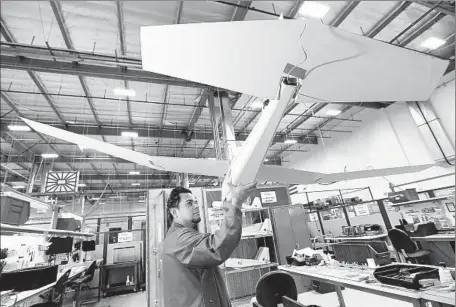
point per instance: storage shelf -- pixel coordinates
(253, 267)
(254, 209)
(420, 201)
(256, 236)
(24, 229)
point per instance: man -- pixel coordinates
(191, 277)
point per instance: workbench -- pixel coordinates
(349, 278)
(379, 237)
(442, 247)
(31, 297)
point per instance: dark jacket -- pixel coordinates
(191, 277)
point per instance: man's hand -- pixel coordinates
(237, 194)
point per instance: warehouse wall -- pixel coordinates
(443, 103)
(387, 138)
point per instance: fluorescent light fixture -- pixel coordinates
(432, 43)
(211, 159)
(314, 9)
(19, 186)
(95, 198)
(135, 184)
(49, 155)
(141, 201)
(81, 184)
(333, 112)
(290, 141)
(257, 105)
(71, 215)
(124, 92)
(135, 173)
(100, 203)
(130, 134)
(266, 159)
(18, 128)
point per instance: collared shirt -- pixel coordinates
(191, 277)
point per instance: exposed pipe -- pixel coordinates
(426, 179)
(415, 22)
(249, 8)
(433, 134)
(159, 103)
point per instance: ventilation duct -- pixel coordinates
(434, 135)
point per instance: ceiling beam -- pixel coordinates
(13, 106)
(420, 30)
(306, 116)
(36, 79)
(295, 9)
(113, 177)
(24, 152)
(180, 5)
(344, 14)
(385, 21)
(5, 31)
(239, 13)
(123, 50)
(10, 38)
(58, 14)
(90, 70)
(152, 132)
(450, 67)
(448, 9)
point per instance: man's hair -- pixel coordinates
(174, 200)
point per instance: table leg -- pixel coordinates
(340, 297)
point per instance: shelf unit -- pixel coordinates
(241, 282)
(420, 201)
(5, 228)
(257, 236)
(254, 267)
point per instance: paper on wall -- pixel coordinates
(268, 197)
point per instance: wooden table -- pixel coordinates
(341, 277)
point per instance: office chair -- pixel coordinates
(272, 287)
(402, 243)
(83, 283)
(58, 292)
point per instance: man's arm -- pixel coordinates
(208, 250)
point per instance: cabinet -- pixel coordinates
(256, 253)
(290, 229)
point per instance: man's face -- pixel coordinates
(188, 210)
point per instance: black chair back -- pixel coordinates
(273, 286)
(401, 241)
(59, 287)
(91, 270)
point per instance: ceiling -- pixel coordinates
(61, 62)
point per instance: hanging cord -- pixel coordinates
(302, 48)
(98, 201)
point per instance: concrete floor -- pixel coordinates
(125, 300)
(352, 298)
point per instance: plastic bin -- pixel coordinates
(358, 252)
(405, 275)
